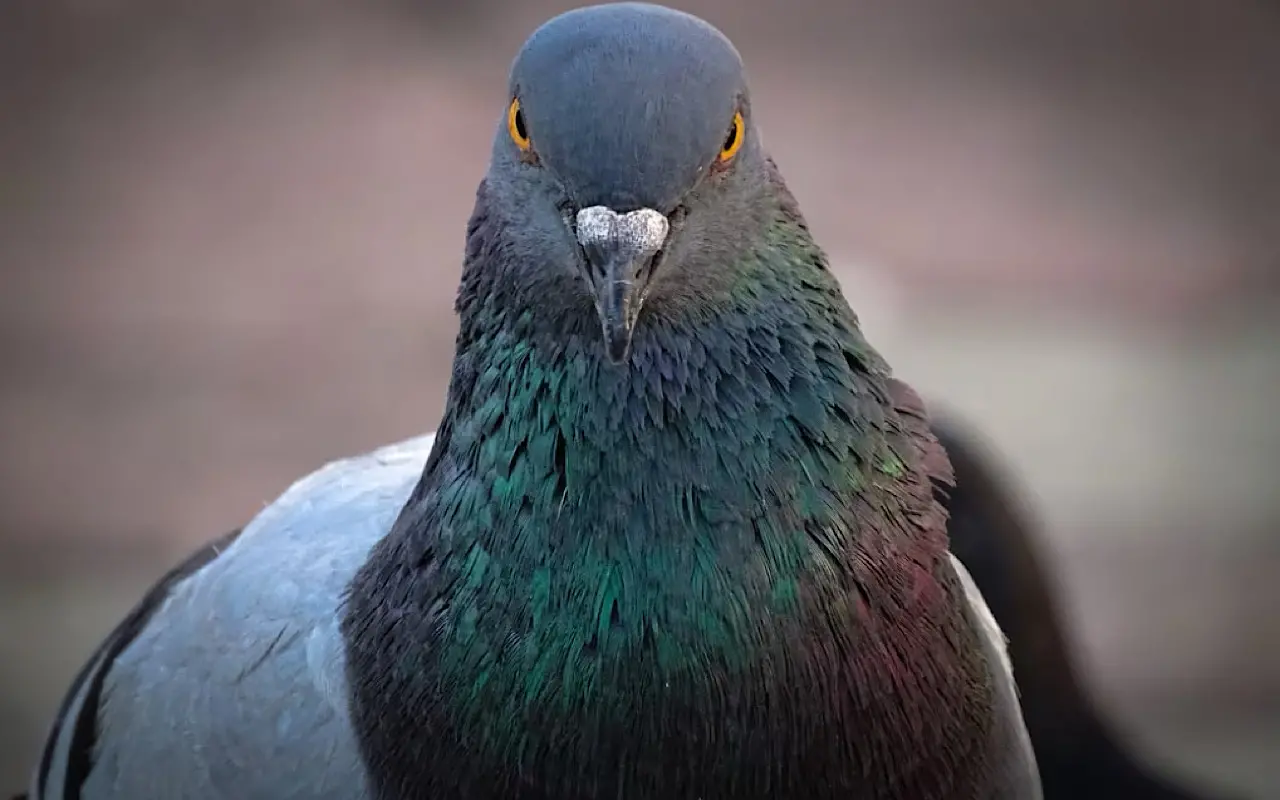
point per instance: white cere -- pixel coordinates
(644, 229)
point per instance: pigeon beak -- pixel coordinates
(620, 250)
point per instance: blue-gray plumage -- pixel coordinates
(235, 688)
(676, 535)
(653, 123)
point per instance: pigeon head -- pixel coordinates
(626, 163)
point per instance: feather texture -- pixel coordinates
(227, 681)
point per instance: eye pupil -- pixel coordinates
(519, 124)
(732, 138)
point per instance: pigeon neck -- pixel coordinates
(666, 549)
(729, 431)
(754, 411)
(697, 472)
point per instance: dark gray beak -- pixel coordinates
(619, 249)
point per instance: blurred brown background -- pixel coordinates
(230, 233)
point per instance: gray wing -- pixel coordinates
(227, 680)
(1015, 774)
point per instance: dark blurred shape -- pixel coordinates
(1080, 756)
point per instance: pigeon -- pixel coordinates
(1077, 752)
(675, 536)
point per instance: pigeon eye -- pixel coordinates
(516, 127)
(733, 142)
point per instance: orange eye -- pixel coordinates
(516, 127)
(733, 142)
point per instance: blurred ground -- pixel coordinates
(229, 237)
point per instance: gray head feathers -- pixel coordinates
(621, 108)
(627, 103)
